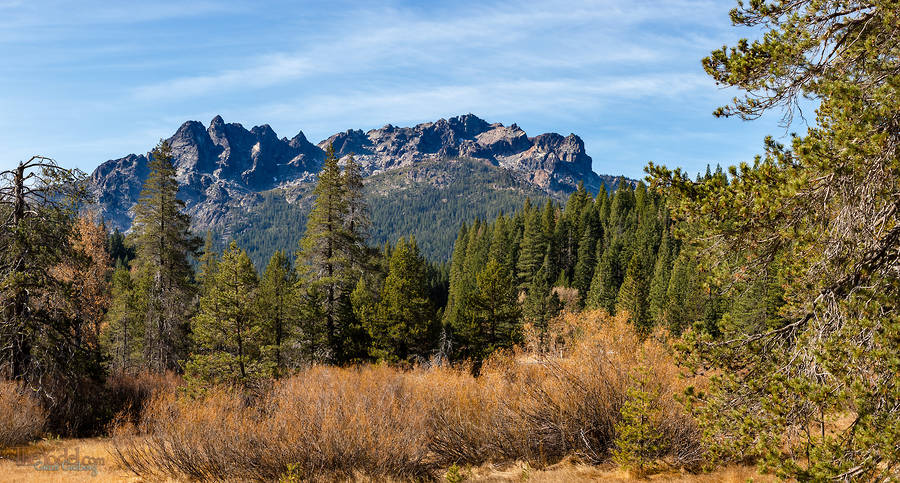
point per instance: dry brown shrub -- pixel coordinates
(566, 401)
(325, 423)
(126, 395)
(22, 418)
(337, 423)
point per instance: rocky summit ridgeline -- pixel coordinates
(219, 167)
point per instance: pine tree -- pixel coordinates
(39, 345)
(357, 220)
(123, 337)
(208, 261)
(638, 440)
(607, 279)
(584, 267)
(86, 272)
(684, 299)
(541, 303)
(403, 323)
(227, 330)
(120, 251)
(331, 255)
(659, 284)
(533, 247)
(632, 297)
(457, 292)
(277, 310)
(164, 245)
(495, 310)
(548, 226)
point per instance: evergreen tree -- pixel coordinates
(227, 330)
(208, 261)
(357, 220)
(584, 267)
(120, 251)
(40, 344)
(164, 245)
(277, 309)
(819, 218)
(457, 292)
(332, 255)
(541, 303)
(684, 299)
(632, 297)
(548, 226)
(403, 323)
(607, 279)
(86, 273)
(495, 311)
(659, 284)
(123, 338)
(638, 440)
(533, 246)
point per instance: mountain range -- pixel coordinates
(447, 171)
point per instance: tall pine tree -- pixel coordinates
(227, 330)
(164, 246)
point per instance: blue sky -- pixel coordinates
(88, 81)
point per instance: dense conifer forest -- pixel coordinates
(436, 197)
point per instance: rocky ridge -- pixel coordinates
(226, 166)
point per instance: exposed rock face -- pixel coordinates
(219, 166)
(215, 167)
(551, 161)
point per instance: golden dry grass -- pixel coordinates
(13, 470)
(566, 470)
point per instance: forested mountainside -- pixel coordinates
(252, 185)
(428, 200)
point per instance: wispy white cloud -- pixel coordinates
(505, 41)
(320, 115)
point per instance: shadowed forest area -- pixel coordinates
(687, 323)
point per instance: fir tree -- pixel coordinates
(277, 310)
(124, 334)
(541, 303)
(584, 268)
(495, 310)
(659, 284)
(684, 299)
(227, 329)
(403, 323)
(164, 245)
(632, 297)
(533, 246)
(332, 255)
(607, 279)
(208, 261)
(457, 292)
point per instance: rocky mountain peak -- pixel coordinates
(298, 140)
(225, 162)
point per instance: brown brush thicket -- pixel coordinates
(22, 418)
(380, 421)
